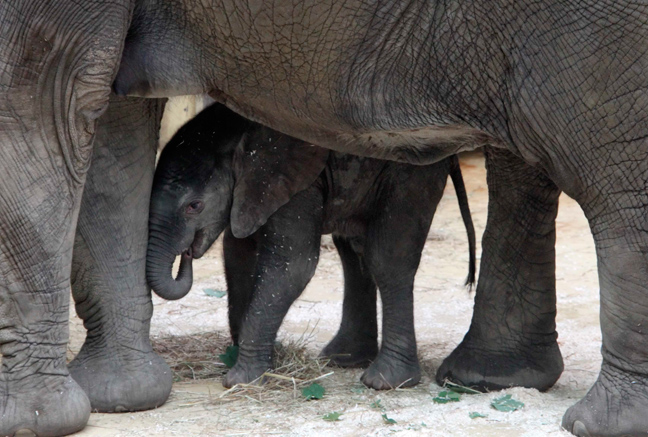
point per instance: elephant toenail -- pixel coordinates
(580, 429)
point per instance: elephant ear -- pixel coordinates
(270, 168)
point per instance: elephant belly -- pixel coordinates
(351, 184)
(352, 227)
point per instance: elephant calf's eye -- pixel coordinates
(195, 207)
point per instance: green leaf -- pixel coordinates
(387, 420)
(446, 396)
(358, 390)
(214, 293)
(313, 391)
(506, 403)
(376, 404)
(475, 415)
(332, 417)
(460, 388)
(230, 356)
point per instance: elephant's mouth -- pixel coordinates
(188, 254)
(198, 246)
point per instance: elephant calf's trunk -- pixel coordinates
(160, 277)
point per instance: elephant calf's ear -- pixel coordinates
(270, 168)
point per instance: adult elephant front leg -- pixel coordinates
(116, 366)
(57, 61)
(288, 254)
(512, 337)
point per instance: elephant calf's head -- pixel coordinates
(219, 169)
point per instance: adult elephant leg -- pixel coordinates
(614, 201)
(57, 62)
(356, 342)
(512, 337)
(116, 366)
(36, 390)
(240, 259)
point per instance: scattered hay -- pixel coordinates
(294, 368)
(195, 357)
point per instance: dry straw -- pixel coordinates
(195, 357)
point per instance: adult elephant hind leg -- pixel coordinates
(615, 205)
(356, 342)
(512, 337)
(116, 366)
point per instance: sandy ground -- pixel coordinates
(443, 313)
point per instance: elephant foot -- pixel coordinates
(616, 405)
(485, 370)
(50, 405)
(243, 373)
(345, 351)
(388, 373)
(122, 381)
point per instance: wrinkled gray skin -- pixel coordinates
(57, 62)
(556, 87)
(378, 211)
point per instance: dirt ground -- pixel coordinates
(443, 313)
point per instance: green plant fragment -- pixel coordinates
(230, 356)
(460, 388)
(506, 403)
(475, 415)
(313, 391)
(387, 420)
(332, 417)
(446, 396)
(211, 292)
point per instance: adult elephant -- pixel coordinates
(558, 88)
(561, 85)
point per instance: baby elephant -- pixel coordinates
(278, 195)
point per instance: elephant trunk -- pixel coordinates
(159, 270)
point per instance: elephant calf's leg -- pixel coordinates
(240, 259)
(512, 337)
(116, 365)
(356, 343)
(288, 255)
(395, 239)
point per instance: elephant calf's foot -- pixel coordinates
(388, 373)
(123, 380)
(243, 373)
(615, 406)
(486, 369)
(45, 405)
(345, 351)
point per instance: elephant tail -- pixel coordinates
(462, 198)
